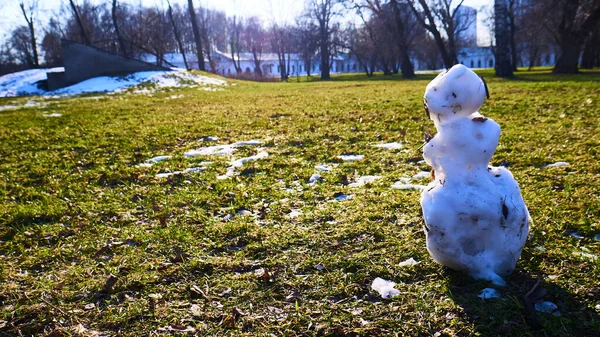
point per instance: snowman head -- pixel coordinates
(457, 92)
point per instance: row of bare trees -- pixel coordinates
(390, 36)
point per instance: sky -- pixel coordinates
(268, 10)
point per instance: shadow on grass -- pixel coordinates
(514, 314)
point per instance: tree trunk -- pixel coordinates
(257, 69)
(197, 38)
(590, 49)
(512, 28)
(568, 60)
(84, 36)
(408, 71)
(116, 24)
(177, 36)
(503, 63)
(324, 48)
(34, 58)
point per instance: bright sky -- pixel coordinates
(269, 10)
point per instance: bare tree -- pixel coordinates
(82, 31)
(117, 31)
(446, 12)
(197, 37)
(177, 36)
(254, 37)
(322, 11)
(28, 15)
(578, 19)
(503, 60)
(308, 41)
(234, 43)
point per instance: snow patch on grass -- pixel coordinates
(385, 288)
(361, 181)
(408, 262)
(389, 146)
(219, 150)
(557, 164)
(422, 175)
(351, 157)
(25, 83)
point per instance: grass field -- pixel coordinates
(91, 244)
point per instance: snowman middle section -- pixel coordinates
(464, 206)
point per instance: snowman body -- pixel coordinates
(475, 217)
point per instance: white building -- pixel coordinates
(269, 63)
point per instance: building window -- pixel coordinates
(248, 70)
(478, 63)
(491, 63)
(299, 68)
(471, 63)
(354, 66)
(278, 69)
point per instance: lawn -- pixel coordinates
(91, 244)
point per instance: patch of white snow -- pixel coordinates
(389, 146)
(385, 288)
(408, 262)
(422, 175)
(557, 164)
(351, 157)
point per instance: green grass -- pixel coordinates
(75, 210)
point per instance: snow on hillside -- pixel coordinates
(23, 83)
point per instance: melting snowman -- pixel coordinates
(475, 217)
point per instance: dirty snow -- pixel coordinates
(210, 138)
(187, 170)
(152, 161)
(314, 179)
(324, 168)
(24, 83)
(28, 104)
(488, 293)
(361, 181)
(240, 162)
(557, 164)
(389, 146)
(54, 114)
(343, 197)
(385, 288)
(408, 262)
(351, 157)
